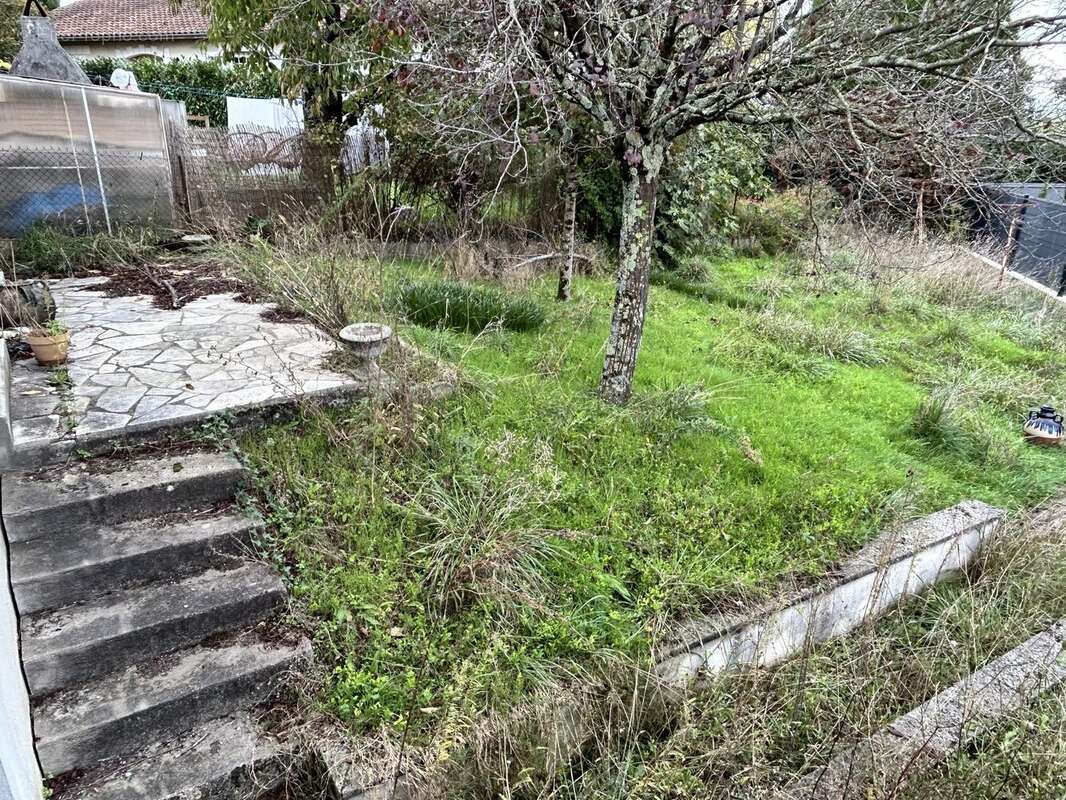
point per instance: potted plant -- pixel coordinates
(49, 343)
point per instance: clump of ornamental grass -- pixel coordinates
(832, 341)
(467, 308)
(936, 422)
(476, 542)
(332, 283)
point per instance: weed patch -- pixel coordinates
(48, 251)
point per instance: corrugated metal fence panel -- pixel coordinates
(1039, 250)
(1052, 192)
(83, 156)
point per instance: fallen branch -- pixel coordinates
(159, 283)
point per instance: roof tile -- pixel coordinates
(110, 20)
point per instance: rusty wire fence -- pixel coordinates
(227, 176)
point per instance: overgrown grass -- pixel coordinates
(333, 282)
(47, 251)
(704, 290)
(1025, 759)
(749, 735)
(763, 441)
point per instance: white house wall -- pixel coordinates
(167, 51)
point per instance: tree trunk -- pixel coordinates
(566, 271)
(919, 215)
(631, 294)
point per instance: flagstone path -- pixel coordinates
(133, 366)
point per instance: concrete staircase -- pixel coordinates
(146, 633)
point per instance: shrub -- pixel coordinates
(708, 169)
(467, 308)
(202, 84)
(779, 223)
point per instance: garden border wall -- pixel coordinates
(896, 566)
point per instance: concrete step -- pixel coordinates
(120, 713)
(101, 492)
(55, 571)
(66, 647)
(226, 759)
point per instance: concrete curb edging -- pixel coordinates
(894, 567)
(943, 725)
(238, 419)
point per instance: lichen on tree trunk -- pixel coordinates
(634, 266)
(566, 271)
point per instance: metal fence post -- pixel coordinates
(77, 163)
(1019, 229)
(96, 158)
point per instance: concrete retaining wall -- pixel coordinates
(898, 565)
(20, 777)
(7, 444)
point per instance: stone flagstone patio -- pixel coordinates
(135, 367)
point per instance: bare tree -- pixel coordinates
(646, 71)
(921, 148)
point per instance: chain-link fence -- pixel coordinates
(88, 158)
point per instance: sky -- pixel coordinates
(1048, 61)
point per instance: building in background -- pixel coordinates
(132, 29)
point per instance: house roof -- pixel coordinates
(127, 20)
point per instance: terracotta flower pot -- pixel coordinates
(49, 350)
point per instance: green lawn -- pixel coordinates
(455, 557)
